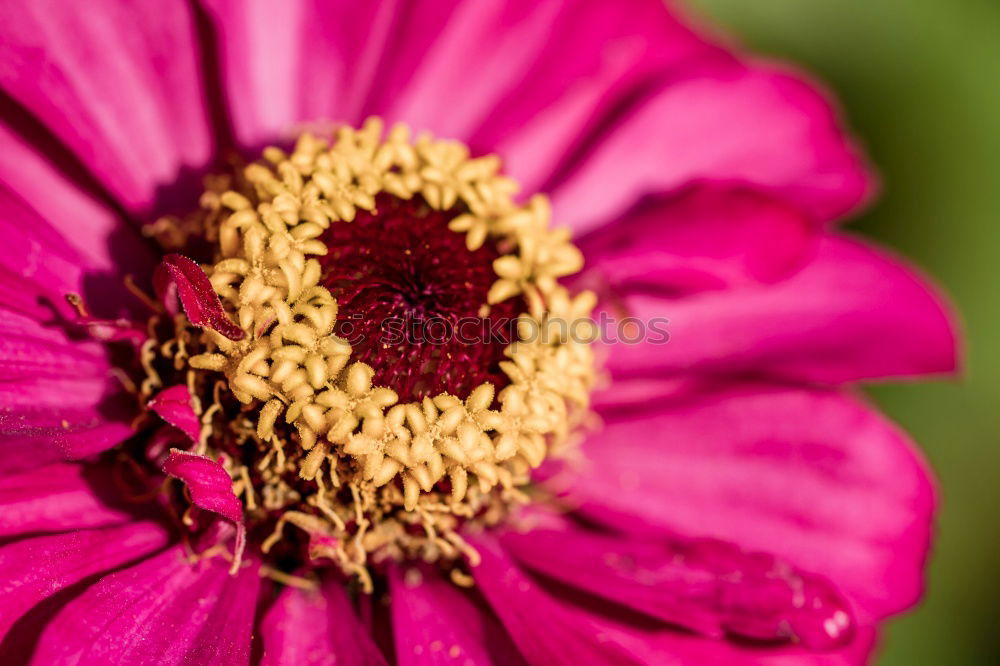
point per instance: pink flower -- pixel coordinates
(738, 503)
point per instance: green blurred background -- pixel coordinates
(919, 81)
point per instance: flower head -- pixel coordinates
(370, 395)
(356, 403)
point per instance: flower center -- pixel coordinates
(377, 350)
(412, 298)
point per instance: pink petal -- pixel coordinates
(31, 350)
(522, 74)
(852, 313)
(545, 630)
(68, 222)
(672, 647)
(32, 437)
(521, 94)
(319, 65)
(38, 267)
(36, 568)
(162, 611)
(58, 497)
(58, 241)
(173, 405)
(210, 486)
(177, 277)
(211, 489)
(539, 615)
(702, 238)
(814, 477)
(57, 397)
(430, 70)
(316, 628)
(58, 400)
(119, 83)
(709, 587)
(209, 483)
(560, 105)
(437, 623)
(758, 126)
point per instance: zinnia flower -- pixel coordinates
(212, 453)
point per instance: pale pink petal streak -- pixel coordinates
(58, 240)
(118, 82)
(316, 67)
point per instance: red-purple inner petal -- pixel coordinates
(179, 277)
(173, 405)
(211, 489)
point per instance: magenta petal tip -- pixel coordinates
(178, 277)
